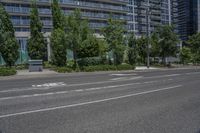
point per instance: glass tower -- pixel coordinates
(188, 18)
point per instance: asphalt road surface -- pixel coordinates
(119, 102)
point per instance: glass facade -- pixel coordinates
(188, 18)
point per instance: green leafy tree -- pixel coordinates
(194, 42)
(58, 36)
(57, 15)
(8, 43)
(114, 36)
(80, 37)
(155, 45)
(59, 46)
(37, 44)
(103, 48)
(167, 42)
(142, 49)
(74, 34)
(89, 47)
(132, 49)
(185, 55)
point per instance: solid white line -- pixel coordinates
(192, 73)
(87, 103)
(163, 76)
(65, 92)
(70, 85)
(121, 78)
(101, 82)
(121, 74)
(45, 86)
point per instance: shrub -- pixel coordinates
(99, 68)
(125, 67)
(107, 68)
(90, 61)
(63, 69)
(7, 71)
(48, 65)
(21, 66)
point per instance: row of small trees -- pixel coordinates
(72, 32)
(8, 43)
(191, 52)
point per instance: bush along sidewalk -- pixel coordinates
(108, 68)
(96, 68)
(7, 71)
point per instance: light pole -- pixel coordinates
(148, 32)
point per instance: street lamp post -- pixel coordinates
(148, 32)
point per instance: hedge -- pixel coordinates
(63, 69)
(7, 71)
(108, 68)
(90, 61)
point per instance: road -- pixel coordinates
(158, 101)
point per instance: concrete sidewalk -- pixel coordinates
(145, 68)
(27, 73)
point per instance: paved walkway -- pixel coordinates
(26, 72)
(145, 68)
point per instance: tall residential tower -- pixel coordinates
(188, 18)
(133, 12)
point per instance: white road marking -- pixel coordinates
(121, 74)
(91, 83)
(163, 76)
(192, 73)
(125, 78)
(79, 90)
(24, 89)
(45, 86)
(121, 78)
(50, 84)
(100, 82)
(87, 103)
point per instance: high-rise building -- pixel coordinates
(97, 11)
(188, 18)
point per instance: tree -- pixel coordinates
(37, 44)
(167, 42)
(80, 38)
(57, 15)
(89, 47)
(58, 36)
(185, 55)
(8, 43)
(142, 49)
(155, 45)
(132, 49)
(59, 47)
(114, 36)
(194, 42)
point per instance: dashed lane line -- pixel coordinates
(79, 90)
